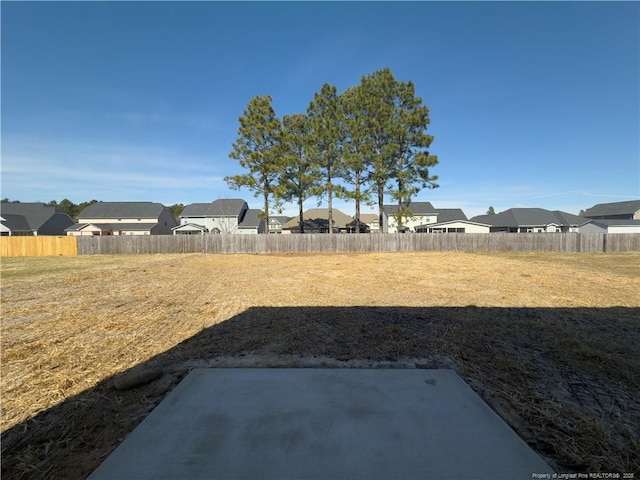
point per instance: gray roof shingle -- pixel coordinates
(417, 208)
(218, 208)
(252, 219)
(16, 223)
(529, 217)
(36, 214)
(610, 209)
(449, 214)
(108, 210)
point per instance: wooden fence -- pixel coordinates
(40, 246)
(319, 243)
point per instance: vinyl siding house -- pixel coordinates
(316, 220)
(372, 220)
(611, 226)
(124, 218)
(33, 219)
(422, 215)
(629, 210)
(276, 222)
(252, 222)
(220, 216)
(531, 220)
(454, 226)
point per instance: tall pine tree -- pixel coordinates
(258, 149)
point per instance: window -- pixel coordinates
(455, 230)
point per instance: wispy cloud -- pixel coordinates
(81, 171)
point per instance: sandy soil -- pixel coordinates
(550, 341)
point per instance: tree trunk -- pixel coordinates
(301, 218)
(358, 202)
(400, 209)
(266, 208)
(381, 208)
(330, 200)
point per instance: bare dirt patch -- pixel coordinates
(550, 341)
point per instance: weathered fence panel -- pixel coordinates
(322, 243)
(39, 246)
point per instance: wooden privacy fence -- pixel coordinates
(41, 246)
(319, 243)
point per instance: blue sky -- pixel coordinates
(533, 104)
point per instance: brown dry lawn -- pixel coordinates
(550, 341)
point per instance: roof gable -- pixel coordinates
(108, 210)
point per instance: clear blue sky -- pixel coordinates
(532, 104)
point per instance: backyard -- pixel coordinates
(550, 341)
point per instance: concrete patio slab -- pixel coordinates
(249, 423)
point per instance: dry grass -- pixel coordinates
(551, 341)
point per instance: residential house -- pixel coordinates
(33, 219)
(531, 220)
(362, 227)
(422, 214)
(610, 225)
(252, 222)
(220, 216)
(454, 226)
(372, 220)
(124, 218)
(276, 222)
(629, 210)
(13, 225)
(316, 220)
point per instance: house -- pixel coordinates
(372, 220)
(33, 219)
(252, 222)
(609, 225)
(454, 226)
(124, 218)
(531, 220)
(220, 216)
(316, 220)
(362, 227)
(422, 213)
(629, 210)
(189, 229)
(13, 225)
(276, 222)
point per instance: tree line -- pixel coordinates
(362, 144)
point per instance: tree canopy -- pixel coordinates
(370, 140)
(259, 150)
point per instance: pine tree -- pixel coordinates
(258, 149)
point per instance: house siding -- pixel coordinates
(468, 227)
(166, 221)
(410, 222)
